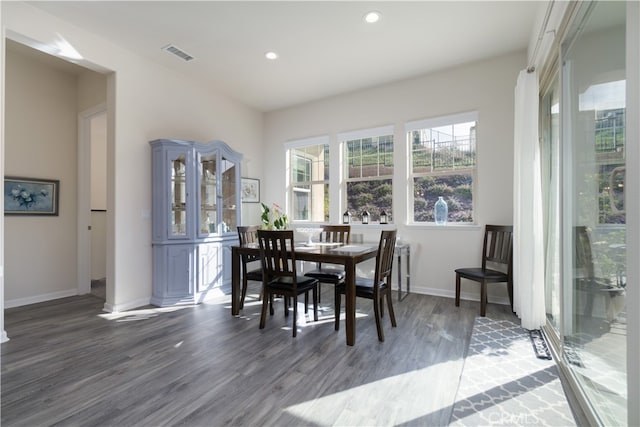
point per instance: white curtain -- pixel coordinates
(528, 253)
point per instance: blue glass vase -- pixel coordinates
(441, 211)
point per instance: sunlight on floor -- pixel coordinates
(398, 393)
(325, 314)
(141, 314)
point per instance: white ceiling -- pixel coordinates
(325, 47)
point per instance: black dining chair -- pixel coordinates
(584, 274)
(375, 289)
(248, 235)
(280, 276)
(328, 273)
(497, 252)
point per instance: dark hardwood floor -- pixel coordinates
(70, 364)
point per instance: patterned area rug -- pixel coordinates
(504, 383)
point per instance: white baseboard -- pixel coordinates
(4, 337)
(18, 302)
(451, 293)
(118, 308)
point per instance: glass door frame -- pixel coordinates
(555, 70)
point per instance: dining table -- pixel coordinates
(348, 255)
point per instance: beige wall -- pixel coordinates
(40, 142)
(486, 87)
(99, 195)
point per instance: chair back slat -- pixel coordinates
(498, 245)
(384, 258)
(276, 261)
(248, 234)
(336, 234)
(583, 257)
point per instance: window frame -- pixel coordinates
(295, 188)
(343, 139)
(472, 171)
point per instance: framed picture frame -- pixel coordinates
(250, 189)
(31, 196)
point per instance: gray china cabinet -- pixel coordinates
(195, 212)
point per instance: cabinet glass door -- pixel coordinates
(208, 194)
(178, 186)
(229, 199)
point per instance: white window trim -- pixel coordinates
(433, 122)
(366, 133)
(298, 143)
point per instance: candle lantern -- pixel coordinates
(383, 217)
(365, 217)
(346, 217)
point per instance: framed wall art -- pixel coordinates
(250, 190)
(31, 196)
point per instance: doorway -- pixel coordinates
(92, 201)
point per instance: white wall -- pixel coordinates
(92, 90)
(145, 101)
(40, 142)
(486, 87)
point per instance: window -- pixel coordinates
(369, 172)
(443, 163)
(309, 165)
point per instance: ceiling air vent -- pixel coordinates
(178, 52)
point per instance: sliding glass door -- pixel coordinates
(585, 217)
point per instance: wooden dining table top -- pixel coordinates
(335, 253)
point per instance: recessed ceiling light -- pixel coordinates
(372, 17)
(271, 55)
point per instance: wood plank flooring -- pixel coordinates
(70, 364)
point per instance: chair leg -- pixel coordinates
(263, 315)
(336, 306)
(295, 315)
(270, 303)
(392, 315)
(382, 305)
(376, 312)
(244, 292)
(306, 302)
(316, 300)
(588, 308)
(457, 290)
(483, 298)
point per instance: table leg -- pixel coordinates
(406, 251)
(235, 282)
(350, 306)
(399, 275)
(408, 270)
